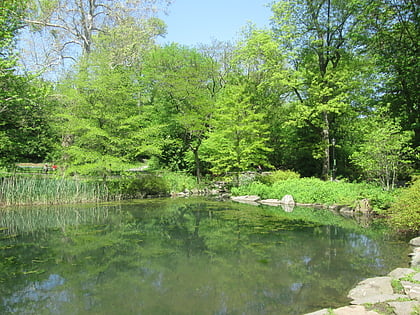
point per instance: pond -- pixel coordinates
(185, 256)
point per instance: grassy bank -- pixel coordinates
(313, 190)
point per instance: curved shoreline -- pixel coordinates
(397, 293)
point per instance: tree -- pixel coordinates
(316, 34)
(384, 152)
(239, 136)
(183, 92)
(390, 34)
(104, 126)
(63, 30)
(25, 134)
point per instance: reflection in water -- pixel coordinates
(188, 256)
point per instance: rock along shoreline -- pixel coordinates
(397, 293)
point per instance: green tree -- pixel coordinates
(183, 92)
(103, 120)
(25, 134)
(390, 35)
(323, 72)
(384, 153)
(239, 136)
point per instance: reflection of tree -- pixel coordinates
(180, 256)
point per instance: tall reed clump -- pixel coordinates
(17, 190)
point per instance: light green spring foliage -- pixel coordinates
(384, 153)
(313, 190)
(277, 176)
(238, 139)
(405, 212)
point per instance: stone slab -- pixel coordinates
(373, 299)
(353, 309)
(400, 273)
(371, 287)
(270, 202)
(404, 308)
(324, 311)
(411, 289)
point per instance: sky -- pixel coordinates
(192, 22)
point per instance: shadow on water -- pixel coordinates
(185, 256)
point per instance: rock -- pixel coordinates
(403, 308)
(270, 202)
(371, 287)
(346, 310)
(411, 289)
(415, 259)
(324, 311)
(288, 200)
(416, 277)
(400, 273)
(415, 242)
(373, 290)
(346, 209)
(373, 299)
(363, 206)
(249, 199)
(353, 309)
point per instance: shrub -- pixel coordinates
(313, 190)
(405, 211)
(137, 187)
(277, 176)
(178, 182)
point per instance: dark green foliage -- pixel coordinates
(137, 187)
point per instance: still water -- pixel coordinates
(185, 256)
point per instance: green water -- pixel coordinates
(185, 256)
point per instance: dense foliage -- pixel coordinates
(405, 212)
(329, 91)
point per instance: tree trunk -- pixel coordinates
(326, 144)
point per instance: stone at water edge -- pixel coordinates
(411, 289)
(403, 308)
(415, 242)
(287, 200)
(399, 273)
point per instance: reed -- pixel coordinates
(19, 190)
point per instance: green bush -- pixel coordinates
(313, 190)
(405, 211)
(178, 182)
(277, 176)
(137, 187)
